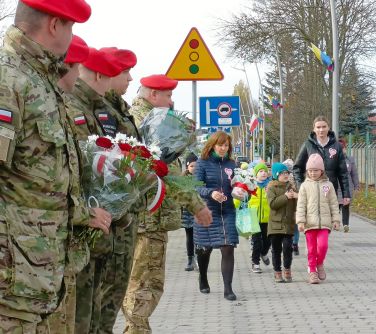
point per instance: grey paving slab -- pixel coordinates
(344, 303)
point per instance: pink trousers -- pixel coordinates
(317, 246)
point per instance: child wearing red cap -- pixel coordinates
(317, 213)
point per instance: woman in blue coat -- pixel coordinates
(215, 169)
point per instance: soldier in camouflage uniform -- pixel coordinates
(86, 105)
(146, 283)
(39, 174)
(62, 321)
(119, 265)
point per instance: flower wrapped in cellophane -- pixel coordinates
(172, 131)
(117, 171)
(243, 183)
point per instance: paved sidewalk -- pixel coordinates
(344, 303)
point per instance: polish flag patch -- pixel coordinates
(79, 120)
(103, 117)
(5, 116)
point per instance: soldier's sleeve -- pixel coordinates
(10, 122)
(188, 199)
(79, 213)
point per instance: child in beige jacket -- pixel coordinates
(317, 213)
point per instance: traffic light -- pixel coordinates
(194, 56)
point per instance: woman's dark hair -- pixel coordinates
(219, 138)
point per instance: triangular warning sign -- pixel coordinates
(194, 61)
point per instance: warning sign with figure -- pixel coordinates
(219, 111)
(194, 61)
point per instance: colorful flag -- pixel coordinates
(253, 123)
(323, 57)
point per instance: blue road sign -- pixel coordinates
(237, 149)
(248, 144)
(226, 129)
(219, 111)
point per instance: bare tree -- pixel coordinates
(288, 27)
(7, 10)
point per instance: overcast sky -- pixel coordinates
(155, 30)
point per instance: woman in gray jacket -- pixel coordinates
(353, 185)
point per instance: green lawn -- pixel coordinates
(363, 206)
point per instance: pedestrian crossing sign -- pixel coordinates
(194, 61)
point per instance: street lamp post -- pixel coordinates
(335, 87)
(281, 109)
(263, 112)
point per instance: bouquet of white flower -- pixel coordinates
(243, 183)
(172, 131)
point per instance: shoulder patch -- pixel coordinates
(79, 120)
(6, 116)
(103, 117)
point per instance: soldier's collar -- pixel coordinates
(85, 92)
(38, 57)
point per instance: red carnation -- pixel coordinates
(125, 147)
(104, 142)
(160, 168)
(142, 151)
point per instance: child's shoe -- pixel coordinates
(295, 249)
(288, 276)
(256, 268)
(278, 277)
(313, 278)
(321, 272)
(346, 228)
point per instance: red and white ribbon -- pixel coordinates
(159, 196)
(130, 175)
(99, 162)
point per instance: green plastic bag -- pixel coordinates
(247, 221)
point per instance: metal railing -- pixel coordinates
(365, 159)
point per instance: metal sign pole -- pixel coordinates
(194, 103)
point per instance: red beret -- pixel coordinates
(159, 82)
(71, 10)
(126, 59)
(78, 51)
(102, 62)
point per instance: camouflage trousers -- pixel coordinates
(62, 321)
(88, 300)
(118, 270)
(145, 287)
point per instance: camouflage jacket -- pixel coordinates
(81, 104)
(126, 122)
(168, 217)
(93, 114)
(38, 178)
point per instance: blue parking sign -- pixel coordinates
(221, 111)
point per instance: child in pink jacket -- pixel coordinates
(317, 213)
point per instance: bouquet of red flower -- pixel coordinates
(117, 171)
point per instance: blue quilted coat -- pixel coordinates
(216, 174)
